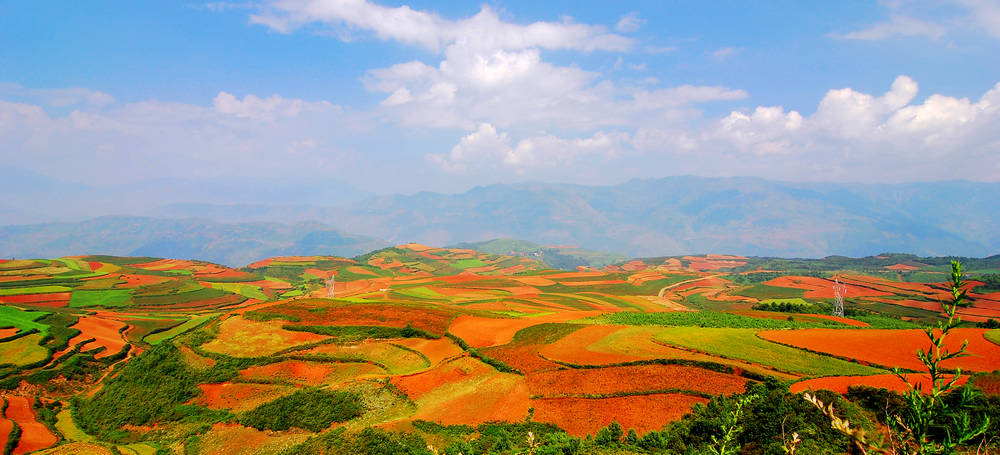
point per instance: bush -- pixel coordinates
(312, 410)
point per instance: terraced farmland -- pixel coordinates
(449, 346)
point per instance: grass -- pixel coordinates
(744, 344)
(24, 320)
(420, 292)
(883, 322)
(23, 351)
(709, 319)
(34, 290)
(160, 337)
(105, 298)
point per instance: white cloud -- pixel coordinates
(61, 97)
(256, 108)
(983, 13)
(629, 23)
(723, 53)
(897, 25)
(485, 148)
(485, 30)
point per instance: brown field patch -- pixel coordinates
(227, 439)
(481, 332)
(238, 397)
(820, 288)
(324, 312)
(890, 347)
(644, 413)
(311, 373)
(436, 351)
(105, 333)
(54, 300)
(573, 348)
(34, 434)
(840, 384)
(535, 280)
(631, 379)
(591, 282)
(466, 391)
(239, 337)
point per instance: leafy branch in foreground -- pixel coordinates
(929, 424)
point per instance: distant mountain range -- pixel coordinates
(230, 244)
(639, 218)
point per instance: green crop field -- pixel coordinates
(105, 298)
(993, 335)
(24, 320)
(34, 290)
(744, 344)
(160, 337)
(711, 319)
(23, 351)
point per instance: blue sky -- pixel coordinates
(413, 96)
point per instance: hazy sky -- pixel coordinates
(401, 97)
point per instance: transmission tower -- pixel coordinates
(330, 283)
(839, 291)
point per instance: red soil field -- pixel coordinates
(231, 438)
(481, 332)
(524, 358)
(901, 267)
(105, 333)
(134, 281)
(709, 281)
(5, 425)
(466, 391)
(644, 413)
(8, 278)
(324, 274)
(431, 320)
(4, 333)
(891, 347)
(637, 378)
(840, 384)
(573, 347)
(436, 351)
(633, 266)
(55, 300)
(820, 288)
(556, 276)
(591, 283)
(34, 434)
(308, 373)
(535, 280)
(238, 397)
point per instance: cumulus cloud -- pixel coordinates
(256, 108)
(485, 148)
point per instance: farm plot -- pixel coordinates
(395, 359)
(466, 392)
(239, 397)
(239, 337)
(21, 319)
(24, 350)
(644, 413)
(309, 373)
(627, 380)
(840, 384)
(105, 333)
(334, 312)
(892, 348)
(223, 438)
(484, 332)
(34, 434)
(744, 344)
